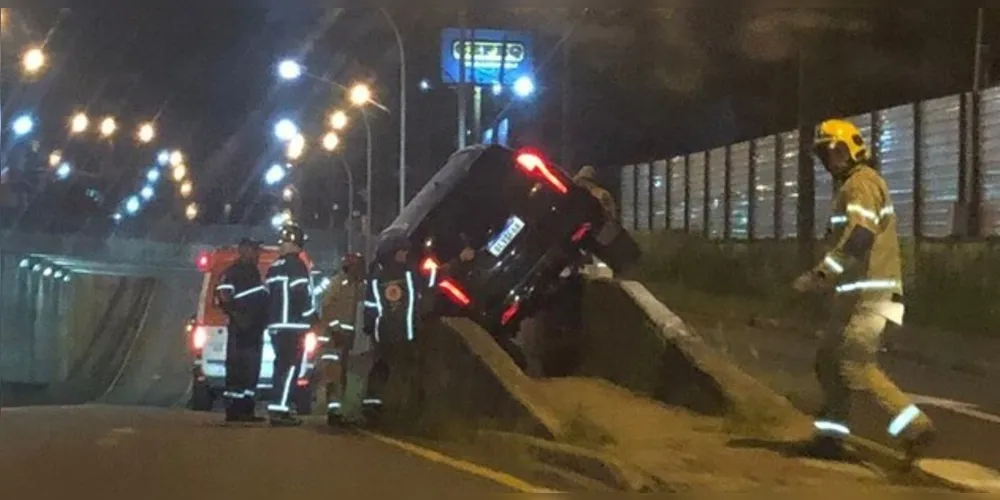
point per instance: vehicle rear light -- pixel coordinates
(532, 163)
(302, 382)
(581, 232)
(510, 313)
(311, 342)
(455, 293)
(199, 337)
(203, 262)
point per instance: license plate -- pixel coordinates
(504, 239)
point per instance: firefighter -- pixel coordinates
(392, 309)
(863, 269)
(340, 306)
(242, 296)
(290, 315)
(587, 178)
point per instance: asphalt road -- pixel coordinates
(127, 452)
(965, 407)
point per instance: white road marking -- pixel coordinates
(962, 408)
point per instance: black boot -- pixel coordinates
(917, 445)
(284, 420)
(826, 448)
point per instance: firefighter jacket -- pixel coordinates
(340, 304)
(243, 297)
(864, 261)
(290, 286)
(391, 303)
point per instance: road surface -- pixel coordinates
(112, 452)
(965, 407)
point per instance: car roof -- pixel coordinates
(456, 169)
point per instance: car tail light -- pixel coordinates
(456, 294)
(581, 232)
(311, 342)
(510, 313)
(534, 164)
(203, 262)
(199, 337)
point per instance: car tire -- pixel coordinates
(202, 397)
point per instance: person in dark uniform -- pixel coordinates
(290, 315)
(242, 296)
(393, 307)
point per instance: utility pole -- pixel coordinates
(463, 100)
(564, 156)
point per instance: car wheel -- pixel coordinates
(202, 397)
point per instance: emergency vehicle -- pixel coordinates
(207, 333)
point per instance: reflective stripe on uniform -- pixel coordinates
(247, 293)
(833, 265)
(233, 395)
(289, 326)
(830, 428)
(864, 212)
(903, 420)
(378, 306)
(868, 285)
(299, 282)
(225, 287)
(410, 305)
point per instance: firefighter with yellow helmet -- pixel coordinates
(864, 270)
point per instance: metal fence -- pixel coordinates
(941, 158)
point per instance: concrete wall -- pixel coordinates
(948, 285)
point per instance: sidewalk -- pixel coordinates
(691, 452)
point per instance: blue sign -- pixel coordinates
(500, 135)
(490, 56)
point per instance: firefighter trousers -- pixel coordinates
(289, 351)
(243, 356)
(847, 363)
(395, 378)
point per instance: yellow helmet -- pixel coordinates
(833, 133)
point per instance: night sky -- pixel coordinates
(643, 84)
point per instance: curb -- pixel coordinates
(595, 465)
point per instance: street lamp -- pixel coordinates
(331, 141)
(285, 130)
(296, 147)
(108, 127)
(55, 158)
(288, 194)
(180, 172)
(338, 120)
(289, 70)
(524, 86)
(186, 188)
(79, 123)
(153, 175)
(33, 60)
(64, 171)
(360, 94)
(146, 193)
(163, 158)
(274, 174)
(133, 205)
(191, 212)
(23, 125)
(176, 159)
(146, 133)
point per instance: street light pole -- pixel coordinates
(350, 204)
(402, 108)
(368, 201)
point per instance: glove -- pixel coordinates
(810, 281)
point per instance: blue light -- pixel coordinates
(425, 85)
(289, 70)
(64, 171)
(132, 205)
(153, 175)
(497, 88)
(279, 220)
(23, 125)
(163, 158)
(285, 130)
(146, 193)
(524, 86)
(274, 174)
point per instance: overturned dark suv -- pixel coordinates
(527, 220)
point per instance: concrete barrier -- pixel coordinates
(467, 382)
(635, 341)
